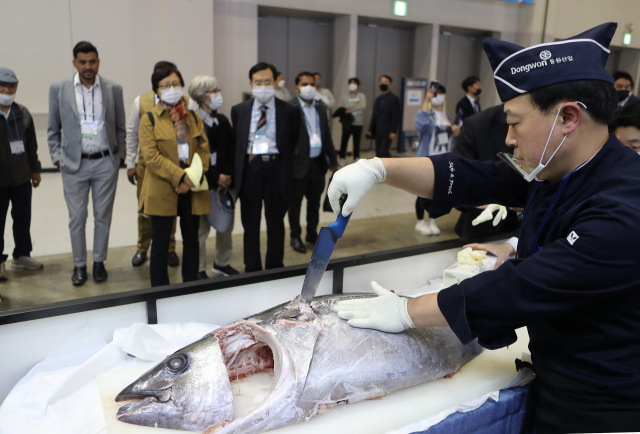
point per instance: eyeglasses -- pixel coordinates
(168, 85)
(214, 91)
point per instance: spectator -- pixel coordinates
(135, 172)
(266, 131)
(204, 91)
(19, 171)
(313, 156)
(385, 119)
(281, 91)
(87, 144)
(469, 104)
(324, 94)
(626, 125)
(354, 103)
(436, 137)
(624, 88)
(170, 139)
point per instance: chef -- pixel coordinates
(575, 282)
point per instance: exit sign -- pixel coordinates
(627, 39)
(400, 8)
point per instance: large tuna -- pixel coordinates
(317, 361)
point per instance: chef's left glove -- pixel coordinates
(487, 214)
(387, 312)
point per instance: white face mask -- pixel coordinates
(353, 87)
(215, 101)
(281, 84)
(263, 93)
(307, 92)
(437, 100)
(172, 95)
(7, 100)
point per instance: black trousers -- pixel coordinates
(261, 182)
(311, 186)
(20, 198)
(383, 143)
(419, 210)
(356, 132)
(162, 228)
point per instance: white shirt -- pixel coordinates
(271, 124)
(91, 101)
(6, 115)
(473, 102)
(133, 143)
(313, 124)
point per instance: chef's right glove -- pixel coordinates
(355, 180)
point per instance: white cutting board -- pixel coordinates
(486, 373)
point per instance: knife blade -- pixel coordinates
(322, 251)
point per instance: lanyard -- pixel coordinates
(266, 127)
(317, 131)
(16, 124)
(84, 109)
(561, 187)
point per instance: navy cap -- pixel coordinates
(7, 76)
(519, 70)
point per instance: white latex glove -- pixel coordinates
(355, 180)
(487, 214)
(387, 312)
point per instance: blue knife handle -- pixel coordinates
(338, 227)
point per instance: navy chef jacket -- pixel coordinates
(579, 297)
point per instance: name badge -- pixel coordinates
(213, 159)
(443, 139)
(354, 100)
(183, 151)
(260, 145)
(17, 147)
(89, 128)
(315, 141)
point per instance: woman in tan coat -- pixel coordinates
(170, 136)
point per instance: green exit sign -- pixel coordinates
(400, 8)
(627, 39)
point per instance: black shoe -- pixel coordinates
(172, 259)
(99, 272)
(227, 270)
(139, 258)
(79, 276)
(202, 275)
(297, 245)
(311, 238)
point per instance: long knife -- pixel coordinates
(322, 251)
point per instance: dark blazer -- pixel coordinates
(17, 169)
(385, 118)
(483, 135)
(631, 99)
(287, 126)
(301, 154)
(464, 109)
(221, 141)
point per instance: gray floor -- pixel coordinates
(53, 283)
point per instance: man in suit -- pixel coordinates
(624, 88)
(313, 156)
(385, 119)
(481, 138)
(469, 104)
(265, 130)
(86, 138)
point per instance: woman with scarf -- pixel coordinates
(172, 139)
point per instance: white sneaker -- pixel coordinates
(422, 228)
(25, 262)
(3, 272)
(435, 230)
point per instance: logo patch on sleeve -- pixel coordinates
(572, 238)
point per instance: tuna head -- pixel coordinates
(189, 390)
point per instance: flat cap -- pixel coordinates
(8, 76)
(519, 70)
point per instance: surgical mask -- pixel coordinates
(353, 87)
(172, 95)
(437, 100)
(622, 95)
(7, 100)
(281, 84)
(508, 158)
(307, 92)
(478, 92)
(263, 93)
(318, 82)
(384, 87)
(215, 101)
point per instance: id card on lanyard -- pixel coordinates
(89, 128)
(260, 143)
(315, 141)
(17, 145)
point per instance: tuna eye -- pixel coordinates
(177, 363)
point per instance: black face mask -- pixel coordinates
(478, 92)
(622, 95)
(384, 87)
